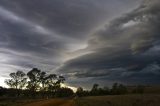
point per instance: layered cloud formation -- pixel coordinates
(126, 50)
(68, 37)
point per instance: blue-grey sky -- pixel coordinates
(87, 41)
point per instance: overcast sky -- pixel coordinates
(87, 41)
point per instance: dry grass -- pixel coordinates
(16, 102)
(122, 100)
(119, 100)
(53, 102)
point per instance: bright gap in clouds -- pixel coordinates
(2, 79)
(129, 24)
(71, 87)
(76, 50)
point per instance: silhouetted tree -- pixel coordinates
(118, 89)
(94, 90)
(79, 91)
(43, 83)
(34, 80)
(95, 87)
(18, 81)
(10, 83)
(51, 82)
(64, 92)
(43, 79)
(54, 83)
(60, 79)
(38, 83)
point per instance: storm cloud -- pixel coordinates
(126, 50)
(68, 37)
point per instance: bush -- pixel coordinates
(64, 92)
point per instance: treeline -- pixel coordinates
(116, 89)
(39, 84)
(35, 84)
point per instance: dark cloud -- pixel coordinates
(72, 18)
(127, 50)
(43, 33)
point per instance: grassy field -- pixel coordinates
(54, 102)
(125, 100)
(119, 100)
(16, 102)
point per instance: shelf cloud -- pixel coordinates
(87, 41)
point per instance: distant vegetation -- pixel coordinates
(116, 89)
(39, 84)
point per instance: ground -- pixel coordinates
(117, 100)
(53, 102)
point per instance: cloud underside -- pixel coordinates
(40, 33)
(127, 50)
(46, 33)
